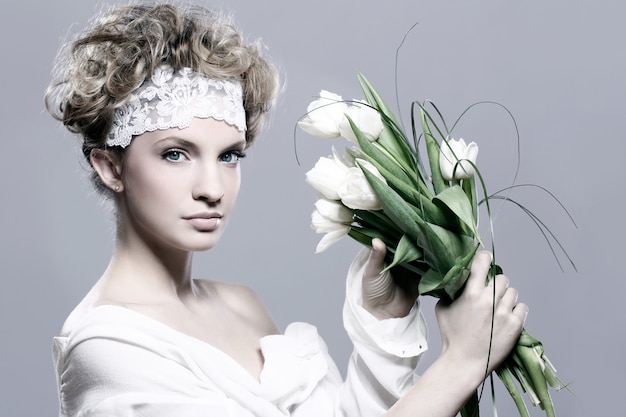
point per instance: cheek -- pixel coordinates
(148, 185)
(137, 181)
(234, 185)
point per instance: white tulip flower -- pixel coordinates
(324, 115)
(454, 159)
(355, 191)
(327, 175)
(366, 118)
(331, 218)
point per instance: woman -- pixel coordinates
(166, 101)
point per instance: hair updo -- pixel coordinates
(97, 72)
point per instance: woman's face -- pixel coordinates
(180, 185)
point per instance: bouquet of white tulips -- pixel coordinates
(428, 219)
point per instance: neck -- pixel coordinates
(145, 272)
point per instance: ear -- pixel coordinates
(109, 168)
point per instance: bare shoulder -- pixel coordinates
(78, 313)
(243, 300)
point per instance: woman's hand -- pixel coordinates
(466, 323)
(465, 327)
(382, 296)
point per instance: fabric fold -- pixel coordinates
(295, 363)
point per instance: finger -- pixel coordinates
(376, 261)
(501, 283)
(521, 310)
(479, 270)
(508, 299)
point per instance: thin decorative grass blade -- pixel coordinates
(543, 229)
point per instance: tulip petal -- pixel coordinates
(471, 152)
(319, 129)
(327, 176)
(334, 211)
(330, 239)
(355, 191)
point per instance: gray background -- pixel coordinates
(559, 66)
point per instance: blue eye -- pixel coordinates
(232, 157)
(172, 155)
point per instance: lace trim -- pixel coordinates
(172, 99)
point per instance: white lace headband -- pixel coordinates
(172, 99)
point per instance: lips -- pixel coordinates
(205, 222)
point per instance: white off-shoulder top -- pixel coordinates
(118, 362)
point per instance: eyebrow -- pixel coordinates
(178, 141)
(188, 144)
(239, 144)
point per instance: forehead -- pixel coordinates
(206, 133)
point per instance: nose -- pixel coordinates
(208, 183)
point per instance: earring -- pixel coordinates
(117, 188)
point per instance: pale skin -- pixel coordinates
(173, 186)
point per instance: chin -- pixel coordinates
(197, 241)
(202, 244)
(203, 248)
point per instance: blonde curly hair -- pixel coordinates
(96, 72)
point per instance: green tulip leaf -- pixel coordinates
(398, 210)
(527, 340)
(373, 98)
(469, 187)
(430, 282)
(392, 137)
(431, 213)
(471, 406)
(417, 268)
(379, 221)
(456, 277)
(380, 158)
(455, 199)
(406, 252)
(432, 149)
(534, 367)
(395, 175)
(507, 380)
(392, 161)
(364, 236)
(443, 248)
